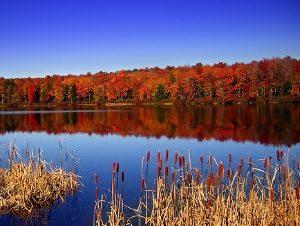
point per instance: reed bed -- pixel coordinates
(266, 192)
(30, 186)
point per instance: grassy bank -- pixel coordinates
(29, 186)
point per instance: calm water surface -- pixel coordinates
(100, 137)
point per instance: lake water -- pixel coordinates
(100, 137)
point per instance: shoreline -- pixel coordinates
(199, 102)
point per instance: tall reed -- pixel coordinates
(29, 186)
(256, 193)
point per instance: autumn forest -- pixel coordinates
(276, 79)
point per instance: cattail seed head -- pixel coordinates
(158, 156)
(239, 169)
(210, 160)
(297, 193)
(220, 169)
(173, 176)
(250, 162)
(201, 160)
(167, 155)
(265, 163)
(242, 162)
(252, 182)
(180, 161)
(197, 177)
(117, 167)
(166, 171)
(142, 183)
(284, 172)
(229, 158)
(298, 165)
(122, 176)
(229, 174)
(148, 157)
(96, 178)
(175, 158)
(271, 195)
(217, 180)
(113, 168)
(188, 177)
(278, 155)
(158, 171)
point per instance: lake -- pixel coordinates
(124, 134)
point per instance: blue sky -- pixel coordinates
(60, 37)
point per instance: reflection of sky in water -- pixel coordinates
(96, 154)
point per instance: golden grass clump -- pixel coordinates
(29, 188)
(212, 195)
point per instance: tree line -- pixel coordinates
(267, 78)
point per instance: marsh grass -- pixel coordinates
(29, 186)
(261, 193)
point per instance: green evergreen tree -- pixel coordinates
(73, 92)
(160, 92)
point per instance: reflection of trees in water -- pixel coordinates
(160, 114)
(270, 124)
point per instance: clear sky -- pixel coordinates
(60, 37)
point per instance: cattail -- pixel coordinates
(188, 177)
(229, 158)
(242, 162)
(201, 160)
(239, 169)
(114, 167)
(250, 162)
(96, 178)
(252, 181)
(207, 204)
(271, 195)
(210, 181)
(142, 183)
(197, 177)
(265, 163)
(166, 171)
(220, 169)
(278, 155)
(269, 162)
(158, 156)
(298, 165)
(229, 174)
(117, 167)
(175, 158)
(210, 160)
(97, 193)
(217, 180)
(173, 176)
(148, 157)
(180, 161)
(122, 176)
(167, 155)
(297, 193)
(284, 172)
(158, 171)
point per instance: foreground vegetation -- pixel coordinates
(267, 80)
(209, 194)
(30, 186)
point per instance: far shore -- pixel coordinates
(84, 105)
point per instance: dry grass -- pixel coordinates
(29, 188)
(211, 195)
